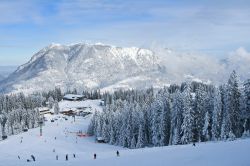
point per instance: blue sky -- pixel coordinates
(213, 27)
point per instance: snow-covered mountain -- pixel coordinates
(90, 66)
(86, 66)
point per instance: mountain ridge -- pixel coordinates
(79, 64)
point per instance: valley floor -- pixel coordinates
(234, 153)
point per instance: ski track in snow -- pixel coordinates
(234, 153)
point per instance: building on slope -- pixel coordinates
(73, 97)
(45, 110)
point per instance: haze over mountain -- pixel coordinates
(6, 70)
(1, 77)
(91, 66)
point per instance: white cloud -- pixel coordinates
(239, 61)
(179, 65)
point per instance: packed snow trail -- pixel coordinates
(59, 139)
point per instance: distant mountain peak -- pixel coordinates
(82, 66)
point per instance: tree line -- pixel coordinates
(178, 114)
(20, 111)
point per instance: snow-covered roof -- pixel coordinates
(41, 109)
(76, 110)
(68, 109)
(72, 96)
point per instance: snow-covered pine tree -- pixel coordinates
(11, 122)
(157, 109)
(56, 107)
(105, 131)
(225, 126)
(51, 102)
(165, 119)
(199, 112)
(3, 121)
(205, 130)
(106, 124)
(99, 124)
(133, 143)
(140, 140)
(58, 94)
(122, 138)
(209, 106)
(147, 121)
(188, 115)
(113, 128)
(34, 116)
(247, 106)
(136, 121)
(233, 105)
(176, 117)
(129, 129)
(92, 126)
(217, 115)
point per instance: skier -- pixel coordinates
(33, 158)
(193, 143)
(55, 138)
(54, 150)
(94, 156)
(56, 157)
(74, 155)
(18, 157)
(117, 153)
(67, 157)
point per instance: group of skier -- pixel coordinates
(95, 156)
(117, 154)
(66, 157)
(28, 160)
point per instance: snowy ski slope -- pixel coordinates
(234, 153)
